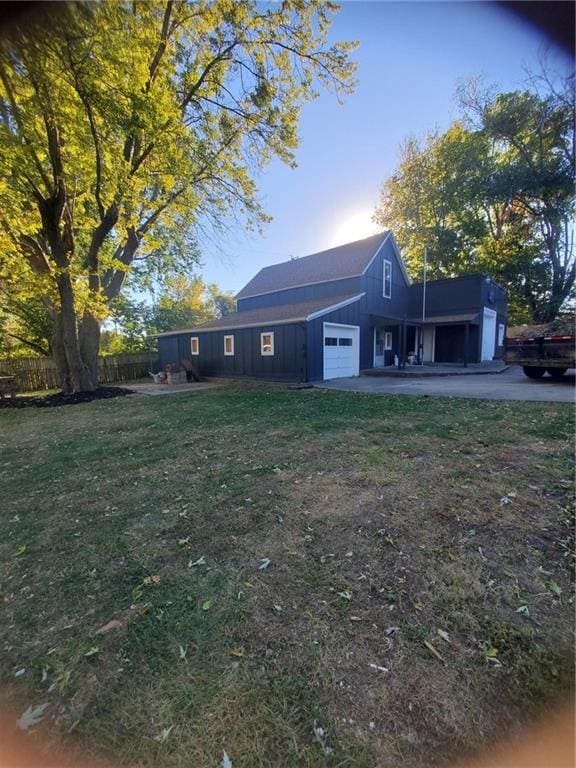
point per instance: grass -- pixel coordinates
(388, 522)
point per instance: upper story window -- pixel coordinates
(387, 280)
(195, 345)
(266, 343)
(228, 345)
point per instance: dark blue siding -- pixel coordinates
(287, 363)
(373, 285)
(345, 287)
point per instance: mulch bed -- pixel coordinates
(58, 399)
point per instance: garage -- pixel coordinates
(341, 350)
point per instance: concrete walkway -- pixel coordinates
(509, 385)
(445, 369)
(169, 389)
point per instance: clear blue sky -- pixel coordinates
(411, 57)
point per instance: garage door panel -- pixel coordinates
(341, 350)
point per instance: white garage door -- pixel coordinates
(488, 334)
(341, 350)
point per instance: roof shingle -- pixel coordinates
(347, 260)
(267, 315)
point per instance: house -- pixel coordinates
(340, 311)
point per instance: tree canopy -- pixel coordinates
(124, 126)
(495, 194)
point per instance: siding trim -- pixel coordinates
(334, 307)
(390, 236)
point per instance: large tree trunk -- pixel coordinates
(76, 377)
(90, 329)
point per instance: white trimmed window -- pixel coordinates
(388, 340)
(266, 343)
(228, 345)
(387, 279)
(194, 345)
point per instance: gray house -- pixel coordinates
(341, 311)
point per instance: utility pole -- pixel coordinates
(423, 305)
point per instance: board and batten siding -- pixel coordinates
(286, 364)
(373, 285)
(345, 287)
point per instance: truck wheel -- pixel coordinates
(556, 373)
(534, 373)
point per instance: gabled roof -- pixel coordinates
(269, 316)
(349, 260)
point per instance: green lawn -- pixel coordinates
(395, 527)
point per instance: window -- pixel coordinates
(501, 330)
(195, 345)
(228, 345)
(266, 343)
(330, 341)
(388, 340)
(344, 342)
(387, 276)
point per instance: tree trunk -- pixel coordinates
(59, 355)
(77, 375)
(90, 344)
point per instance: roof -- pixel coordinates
(267, 316)
(464, 317)
(349, 260)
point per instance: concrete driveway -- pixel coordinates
(511, 384)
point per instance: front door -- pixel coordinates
(378, 347)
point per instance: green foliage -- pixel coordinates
(126, 126)
(494, 194)
(25, 327)
(184, 302)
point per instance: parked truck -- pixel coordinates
(541, 349)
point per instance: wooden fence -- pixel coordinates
(35, 373)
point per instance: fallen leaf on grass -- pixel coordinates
(152, 579)
(237, 652)
(554, 587)
(31, 717)
(434, 652)
(523, 609)
(264, 563)
(92, 651)
(20, 550)
(200, 561)
(182, 652)
(444, 635)
(226, 762)
(113, 624)
(345, 595)
(164, 734)
(378, 668)
(206, 605)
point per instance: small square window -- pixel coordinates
(266, 343)
(330, 341)
(228, 345)
(387, 279)
(195, 345)
(344, 342)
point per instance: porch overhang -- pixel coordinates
(464, 317)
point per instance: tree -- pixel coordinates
(494, 193)
(184, 302)
(124, 126)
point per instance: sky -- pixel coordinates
(411, 57)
